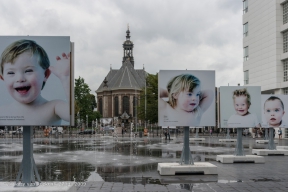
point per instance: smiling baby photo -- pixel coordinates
(240, 106)
(35, 80)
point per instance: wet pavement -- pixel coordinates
(130, 164)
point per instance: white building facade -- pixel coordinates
(265, 45)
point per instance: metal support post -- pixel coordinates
(266, 134)
(28, 167)
(239, 147)
(228, 134)
(196, 135)
(186, 156)
(271, 144)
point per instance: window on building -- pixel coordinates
(245, 6)
(285, 13)
(285, 91)
(116, 107)
(285, 42)
(246, 53)
(246, 77)
(100, 106)
(285, 69)
(134, 106)
(125, 104)
(245, 30)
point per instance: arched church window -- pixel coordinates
(100, 106)
(125, 104)
(116, 107)
(134, 106)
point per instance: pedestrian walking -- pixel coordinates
(211, 132)
(280, 133)
(165, 133)
(168, 132)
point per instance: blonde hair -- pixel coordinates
(18, 47)
(242, 92)
(181, 83)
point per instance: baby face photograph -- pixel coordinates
(240, 106)
(186, 98)
(35, 80)
(273, 111)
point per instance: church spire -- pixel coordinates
(128, 48)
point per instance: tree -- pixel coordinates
(93, 101)
(84, 101)
(151, 100)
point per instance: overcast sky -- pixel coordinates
(167, 34)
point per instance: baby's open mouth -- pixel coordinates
(272, 119)
(22, 90)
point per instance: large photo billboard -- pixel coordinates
(273, 111)
(35, 80)
(240, 106)
(186, 98)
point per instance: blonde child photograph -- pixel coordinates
(186, 98)
(25, 72)
(240, 106)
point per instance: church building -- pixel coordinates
(117, 95)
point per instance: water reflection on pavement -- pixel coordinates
(127, 160)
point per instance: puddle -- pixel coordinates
(265, 179)
(229, 181)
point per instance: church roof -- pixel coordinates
(125, 78)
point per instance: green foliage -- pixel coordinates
(151, 100)
(84, 102)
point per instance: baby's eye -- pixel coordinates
(276, 110)
(268, 111)
(28, 70)
(189, 94)
(10, 72)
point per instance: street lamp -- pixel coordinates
(87, 121)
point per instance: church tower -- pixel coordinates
(128, 48)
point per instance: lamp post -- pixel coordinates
(145, 102)
(87, 121)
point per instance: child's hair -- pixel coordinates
(242, 92)
(272, 98)
(180, 83)
(18, 47)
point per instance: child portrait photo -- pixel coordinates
(35, 80)
(240, 106)
(273, 111)
(186, 98)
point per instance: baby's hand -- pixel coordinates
(62, 67)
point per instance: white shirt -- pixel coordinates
(249, 120)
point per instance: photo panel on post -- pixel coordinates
(273, 111)
(240, 106)
(35, 80)
(186, 98)
(106, 122)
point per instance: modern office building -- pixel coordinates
(265, 45)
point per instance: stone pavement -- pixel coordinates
(270, 176)
(197, 187)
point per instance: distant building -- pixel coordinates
(117, 95)
(265, 45)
